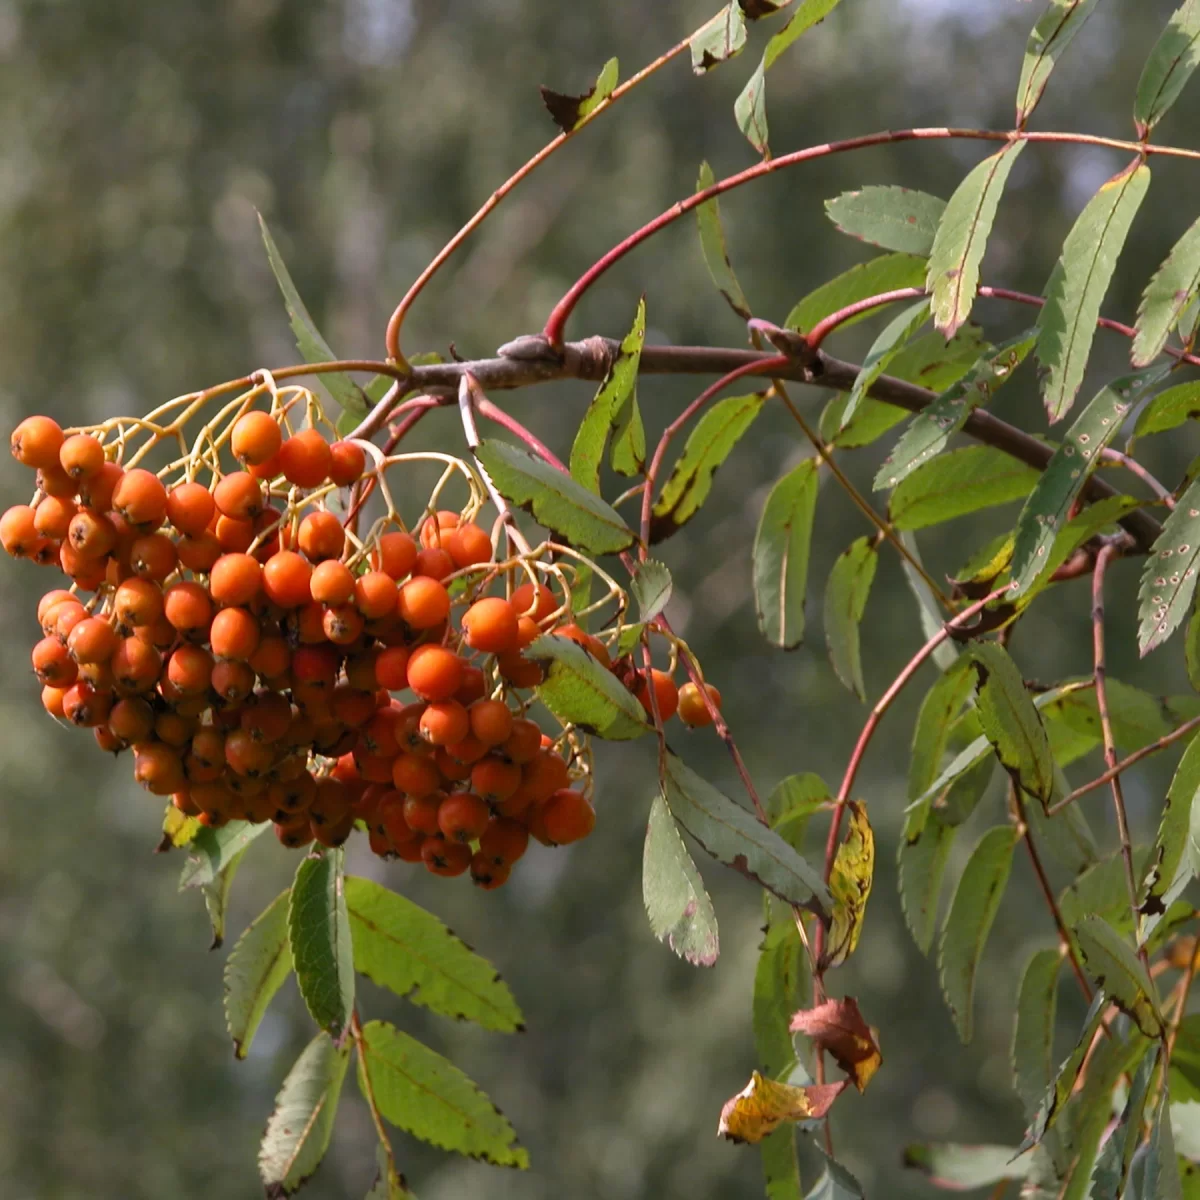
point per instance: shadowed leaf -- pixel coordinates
(1160, 1169)
(886, 273)
(716, 252)
(1075, 291)
(922, 864)
(216, 898)
(1052, 34)
(258, 965)
(651, 588)
(1170, 290)
(211, 851)
(1110, 960)
(319, 933)
(719, 39)
(886, 347)
(846, 594)
(1175, 56)
(1111, 1171)
(835, 1183)
(780, 555)
(781, 986)
(763, 1105)
(680, 911)
(577, 689)
(893, 218)
(569, 111)
(1033, 1031)
(1169, 576)
(962, 237)
(957, 483)
(963, 1168)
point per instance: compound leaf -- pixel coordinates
(1171, 840)
(651, 588)
(1168, 410)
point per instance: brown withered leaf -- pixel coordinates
(569, 111)
(850, 886)
(838, 1026)
(756, 9)
(763, 1105)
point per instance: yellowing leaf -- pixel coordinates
(177, 828)
(763, 1105)
(850, 886)
(838, 1026)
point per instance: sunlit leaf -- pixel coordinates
(1033, 1031)
(389, 1183)
(211, 851)
(555, 499)
(319, 933)
(1175, 56)
(894, 218)
(969, 921)
(400, 946)
(651, 588)
(1169, 576)
(716, 252)
(932, 428)
(707, 447)
(1048, 508)
(299, 1130)
(569, 112)
(679, 908)
(1168, 410)
(258, 965)
(719, 39)
(780, 555)
(1053, 33)
(846, 593)
(963, 1168)
(1171, 840)
(580, 690)
(850, 886)
(885, 348)
(424, 1094)
(838, 1027)
(1170, 290)
(962, 237)
(178, 829)
(885, 273)
(1110, 960)
(732, 836)
(763, 1105)
(1075, 291)
(957, 483)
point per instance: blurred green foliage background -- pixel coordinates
(136, 140)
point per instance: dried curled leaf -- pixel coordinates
(838, 1026)
(763, 1105)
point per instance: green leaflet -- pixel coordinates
(1137, 717)
(885, 273)
(846, 594)
(707, 447)
(1160, 1169)
(1010, 722)
(885, 348)
(1169, 577)
(1170, 290)
(719, 39)
(1171, 840)
(616, 396)
(389, 1184)
(569, 112)
(1110, 960)
(966, 1167)
(211, 851)
(319, 933)
(957, 483)
(651, 588)
(1168, 410)
(555, 499)
(577, 689)
(680, 911)
(732, 835)
(400, 946)
(1111, 1171)
(258, 965)
(893, 218)
(972, 911)
(1101, 891)
(933, 426)
(780, 555)
(716, 252)
(929, 611)
(1053, 33)
(835, 1183)
(1175, 56)
(781, 1166)
(299, 1130)
(312, 346)
(962, 238)
(931, 734)
(1033, 1031)
(1067, 322)
(792, 803)
(781, 986)
(216, 898)
(1191, 649)
(424, 1094)
(750, 108)
(1046, 510)
(921, 866)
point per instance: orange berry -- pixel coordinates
(81, 456)
(434, 672)
(665, 693)
(351, 707)
(131, 719)
(415, 775)
(190, 669)
(255, 438)
(487, 874)
(158, 768)
(593, 645)
(519, 671)
(153, 556)
(503, 841)
(342, 624)
(348, 463)
(140, 498)
(445, 858)
(54, 481)
(468, 545)
(360, 669)
(96, 491)
(321, 536)
(391, 668)
(52, 516)
(239, 495)
(315, 665)
(295, 834)
(332, 582)
(467, 752)
(190, 508)
(445, 723)
(463, 817)
(136, 665)
(421, 813)
(234, 536)
(272, 658)
(286, 579)
(188, 607)
(87, 573)
(395, 554)
(246, 756)
(232, 680)
(544, 775)
(198, 553)
(235, 579)
(692, 709)
(494, 779)
(434, 527)
(91, 534)
(36, 442)
(524, 743)
(53, 664)
(306, 624)
(305, 459)
(491, 721)
(48, 601)
(234, 634)
(93, 640)
(375, 595)
(567, 817)
(18, 531)
(490, 625)
(137, 602)
(433, 563)
(539, 607)
(52, 701)
(423, 603)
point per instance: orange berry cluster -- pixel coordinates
(250, 656)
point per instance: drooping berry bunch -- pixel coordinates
(263, 663)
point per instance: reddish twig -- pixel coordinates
(821, 330)
(506, 421)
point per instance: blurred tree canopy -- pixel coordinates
(138, 139)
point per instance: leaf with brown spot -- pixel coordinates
(570, 111)
(763, 1105)
(850, 887)
(838, 1026)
